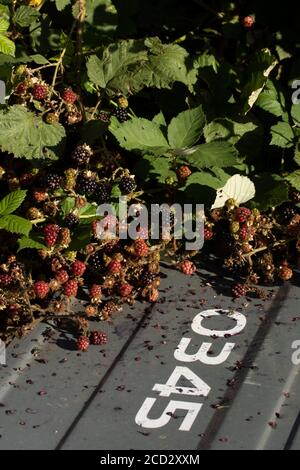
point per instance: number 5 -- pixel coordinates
(192, 412)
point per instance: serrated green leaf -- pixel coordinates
(294, 179)
(26, 242)
(26, 135)
(220, 154)
(157, 168)
(95, 69)
(12, 201)
(15, 224)
(25, 16)
(140, 135)
(7, 46)
(282, 135)
(271, 100)
(186, 129)
(67, 205)
(160, 120)
(4, 24)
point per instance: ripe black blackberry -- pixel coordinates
(285, 212)
(71, 221)
(95, 262)
(121, 114)
(86, 185)
(52, 181)
(82, 154)
(147, 278)
(102, 192)
(127, 184)
(294, 196)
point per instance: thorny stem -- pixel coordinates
(60, 60)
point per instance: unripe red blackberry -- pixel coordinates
(104, 117)
(240, 290)
(187, 267)
(127, 184)
(82, 154)
(184, 172)
(125, 290)
(98, 337)
(21, 88)
(5, 280)
(242, 214)
(208, 233)
(248, 21)
(51, 232)
(64, 237)
(71, 288)
(95, 292)
(115, 267)
(40, 92)
(78, 268)
(40, 195)
(41, 289)
(69, 96)
(71, 221)
(141, 248)
(83, 343)
(62, 276)
(285, 272)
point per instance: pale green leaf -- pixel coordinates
(7, 46)
(282, 135)
(25, 16)
(186, 128)
(139, 134)
(12, 201)
(294, 179)
(4, 24)
(15, 224)
(26, 135)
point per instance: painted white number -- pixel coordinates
(192, 409)
(200, 388)
(197, 327)
(202, 354)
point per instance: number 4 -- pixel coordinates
(199, 388)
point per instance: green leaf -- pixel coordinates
(282, 135)
(220, 154)
(271, 100)
(186, 128)
(295, 113)
(139, 134)
(7, 46)
(26, 242)
(160, 120)
(86, 213)
(67, 205)
(259, 70)
(26, 135)
(271, 190)
(25, 16)
(15, 224)
(4, 24)
(157, 168)
(61, 4)
(294, 179)
(95, 69)
(203, 178)
(12, 201)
